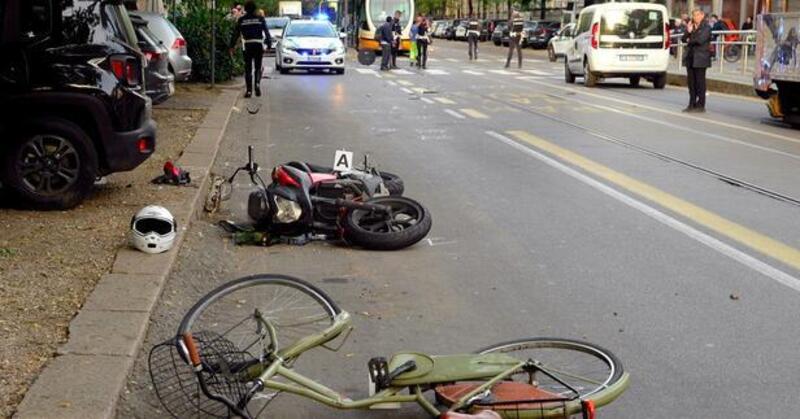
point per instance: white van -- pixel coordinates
(629, 40)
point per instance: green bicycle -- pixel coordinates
(236, 348)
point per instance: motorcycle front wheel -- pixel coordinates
(407, 223)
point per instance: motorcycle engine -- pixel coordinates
(258, 207)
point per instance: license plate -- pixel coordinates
(314, 58)
(631, 57)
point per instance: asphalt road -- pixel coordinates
(602, 214)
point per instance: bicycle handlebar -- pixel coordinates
(194, 355)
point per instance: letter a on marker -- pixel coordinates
(343, 161)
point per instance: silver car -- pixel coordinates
(180, 65)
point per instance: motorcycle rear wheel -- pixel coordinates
(409, 223)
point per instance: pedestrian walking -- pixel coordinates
(697, 59)
(385, 39)
(515, 38)
(413, 51)
(423, 40)
(473, 36)
(397, 36)
(254, 34)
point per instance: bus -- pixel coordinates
(365, 16)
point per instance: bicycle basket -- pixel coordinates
(177, 385)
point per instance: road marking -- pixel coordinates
(743, 235)
(437, 72)
(444, 100)
(474, 113)
(452, 60)
(474, 73)
(503, 72)
(365, 70)
(673, 113)
(405, 83)
(391, 83)
(529, 78)
(538, 72)
(433, 60)
(406, 90)
(426, 100)
(402, 72)
(454, 114)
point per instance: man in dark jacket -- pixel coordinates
(697, 60)
(385, 37)
(397, 32)
(255, 36)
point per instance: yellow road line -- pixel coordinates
(474, 113)
(444, 100)
(741, 234)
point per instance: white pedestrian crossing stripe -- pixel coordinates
(365, 70)
(402, 72)
(474, 73)
(437, 72)
(433, 60)
(452, 60)
(503, 72)
(538, 72)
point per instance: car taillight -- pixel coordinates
(595, 35)
(145, 145)
(179, 43)
(667, 39)
(126, 69)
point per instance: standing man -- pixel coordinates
(473, 36)
(255, 36)
(697, 60)
(385, 38)
(397, 34)
(515, 38)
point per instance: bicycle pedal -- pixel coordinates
(378, 371)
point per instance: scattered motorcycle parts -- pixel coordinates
(173, 175)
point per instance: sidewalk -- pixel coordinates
(731, 80)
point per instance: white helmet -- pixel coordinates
(153, 229)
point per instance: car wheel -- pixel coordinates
(569, 77)
(283, 70)
(496, 43)
(589, 78)
(660, 81)
(634, 81)
(551, 55)
(340, 71)
(50, 164)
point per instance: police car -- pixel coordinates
(310, 45)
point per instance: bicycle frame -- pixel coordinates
(461, 368)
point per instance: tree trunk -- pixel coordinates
(469, 7)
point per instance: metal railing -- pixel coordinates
(725, 51)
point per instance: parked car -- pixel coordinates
(629, 40)
(72, 103)
(527, 30)
(450, 31)
(159, 82)
(484, 31)
(275, 27)
(500, 34)
(180, 65)
(460, 32)
(492, 24)
(559, 43)
(540, 34)
(310, 45)
(440, 30)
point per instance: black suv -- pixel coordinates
(72, 101)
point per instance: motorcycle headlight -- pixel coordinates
(286, 211)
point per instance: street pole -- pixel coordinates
(213, 44)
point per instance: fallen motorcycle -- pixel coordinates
(306, 202)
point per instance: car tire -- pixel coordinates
(67, 147)
(496, 43)
(660, 81)
(340, 71)
(551, 55)
(634, 81)
(283, 70)
(569, 76)
(589, 78)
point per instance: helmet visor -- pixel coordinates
(152, 225)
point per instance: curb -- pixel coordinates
(88, 374)
(715, 85)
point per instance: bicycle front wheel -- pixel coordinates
(585, 367)
(240, 311)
